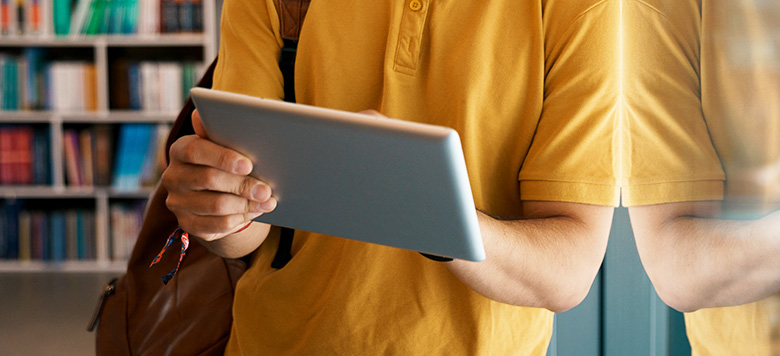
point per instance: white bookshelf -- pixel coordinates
(102, 49)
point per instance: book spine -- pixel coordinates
(81, 235)
(102, 154)
(61, 12)
(25, 151)
(71, 234)
(23, 236)
(6, 154)
(5, 17)
(38, 243)
(41, 172)
(122, 156)
(87, 166)
(72, 165)
(58, 249)
(169, 18)
(14, 227)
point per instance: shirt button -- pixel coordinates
(415, 5)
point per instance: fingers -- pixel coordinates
(207, 203)
(195, 150)
(370, 112)
(197, 124)
(209, 189)
(197, 178)
(212, 215)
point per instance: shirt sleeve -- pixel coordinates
(250, 44)
(574, 153)
(668, 155)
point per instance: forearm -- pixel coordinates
(697, 262)
(238, 244)
(542, 261)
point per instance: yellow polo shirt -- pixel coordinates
(702, 89)
(530, 87)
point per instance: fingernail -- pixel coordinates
(243, 167)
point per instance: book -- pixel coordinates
(103, 154)
(90, 87)
(197, 15)
(169, 17)
(33, 83)
(58, 248)
(150, 86)
(12, 210)
(39, 243)
(130, 20)
(5, 17)
(80, 12)
(122, 157)
(23, 154)
(185, 13)
(87, 159)
(169, 83)
(41, 162)
(3, 233)
(6, 155)
(88, 228)
(24, 235)
(71, 234)
(135, 95)
(61, 16)
(81, 235)
(71, 151)
(33, 13)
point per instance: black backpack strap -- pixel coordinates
(287, 65)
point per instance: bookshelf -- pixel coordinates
(91, 87)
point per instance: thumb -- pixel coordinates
(197, 125)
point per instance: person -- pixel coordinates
(705, 150)
(531, 88)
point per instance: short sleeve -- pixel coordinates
(668, 155)
(574, 153)
(249, 49)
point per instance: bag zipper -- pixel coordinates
(108, 290)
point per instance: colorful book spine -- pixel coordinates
(61, 11)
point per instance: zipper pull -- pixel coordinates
(108, 290)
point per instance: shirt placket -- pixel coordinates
(407, 52)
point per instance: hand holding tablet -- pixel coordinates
(355, 176)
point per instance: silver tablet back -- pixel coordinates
(377, 180)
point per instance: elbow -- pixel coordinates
(567, 297)
(679, 295)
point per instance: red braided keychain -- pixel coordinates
(185, 243)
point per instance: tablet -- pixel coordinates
(355, 176)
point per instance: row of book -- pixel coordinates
(140, 156)
(126, 219)
(24, 155)
(32, 233)
(46, 234)
(126, 157)
(93, 17)
(27, 82)
(152, 86)
(30, 82)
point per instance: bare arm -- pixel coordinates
(212, 196)
(548, 260)
(698, 261)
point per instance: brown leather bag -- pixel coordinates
(192, 315)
